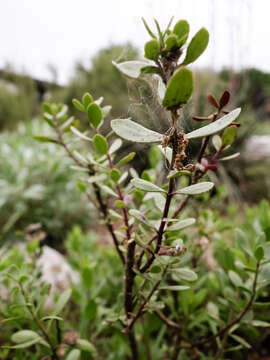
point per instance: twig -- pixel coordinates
(38, 323)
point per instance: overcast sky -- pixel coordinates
(35, 33)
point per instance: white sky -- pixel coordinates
(35, 33)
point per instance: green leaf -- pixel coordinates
(85, 345)
(131, 69)
(120, 204)
(215, 126)
(259, 253)
(197, 46)
(182, 224)
(115, 146)
(217, 142)
(229, 136)
(94, 114)
(235, 278)
(259, 323)
(149, 69)
(174, 287)
(90, 310)
(115, 175)
(87, 276)
(148, 29)
(241, 341)
(45, 139)
(61, 302)
(74, 355)
(175, 173)
(126, 159)
(185, 274)
(145, 185)
(24, 336)
(152, 49)
(100, 144)
(140, 216)
(196, 188)
(108, 190)
(25, 344)
(78, 105)
(87, 99)
(179, 89)
(155, 269)
(181, 29)
(129, 130)
(230, 157)
(79, 134)
(171, 42)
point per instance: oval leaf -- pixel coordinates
(214, 127)
(126, 159)
(146, 185)
(131, 69)
(61, 302)
(179, 89)
(181, 29)
(196, 188)
(24, 336)
(94, 114)
(197, 46)
(183, 224)
(129, 130)
(85, 345)
(115, 146)
(152, 49)
(74, 355)
(100, 144)
(185, 274)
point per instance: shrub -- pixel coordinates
(186, 292)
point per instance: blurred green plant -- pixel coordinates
(35, 182)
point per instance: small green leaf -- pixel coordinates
(197, 46)
(217, 142)
(120, 204)
(74, 355)
(171, 42)
(108, 190)
(81, 186)
(148, 29)
(85, 345)
(61, 302)
(140, 216)
(90, 310)
(94, 114)
(78, 105)
(152, 49)
(155, 269)
(182, 224)
(174, 287)
(115, 175)
(235, 278)
(129, 130)
(24, 336)
(185, 274)
(115, 146)
(87, 276)
(259, 253)
(87, 99)
(46, 139)
(229, 136)
(126, 159)
(150, 70)
(79, 134)
(175, 173)
(259, 323)
(181, 29)
(131, 69)
(241, 341)
(196, 188)
(47, 108)
(145, 185)
(100, 144)
(179, 89)
(215, 126)
(230, 157)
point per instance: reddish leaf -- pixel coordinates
(212, 100)
(223, 101)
